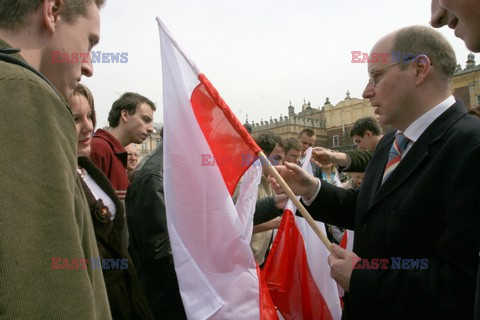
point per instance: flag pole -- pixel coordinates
(296, 202)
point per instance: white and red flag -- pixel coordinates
(297, 270)
(206, 152)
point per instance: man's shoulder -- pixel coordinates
(465, 131)
(103, 141)
(468, 125)
(153, 166)
(100, 142)
(24, 80)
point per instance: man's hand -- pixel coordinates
(280, 201)
(269, 225)
(321, 156)
(341, 264)
(301, 183)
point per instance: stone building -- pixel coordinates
(466, 83)
(331, 123)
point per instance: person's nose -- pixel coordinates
(87, 67)
(369, 91)
(439, 16)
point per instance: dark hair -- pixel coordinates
(421, 39)
(268, 140)
(82, 90)
(364, 124)
(308, 132)
(13, 13)
(128, 101)
(292, 143)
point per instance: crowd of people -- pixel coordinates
(72, 194)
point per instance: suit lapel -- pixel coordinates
(416, 155)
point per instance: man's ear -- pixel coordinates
(124, 115)
(367, 134)
(51, 13)
(422, 66)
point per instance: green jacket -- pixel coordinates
(44, 215)
(359, 160)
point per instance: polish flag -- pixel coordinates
(297, 270)
(206, 152)
(347, 240)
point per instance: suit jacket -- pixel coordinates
(125, 294)
(477, 297)
(427, 209)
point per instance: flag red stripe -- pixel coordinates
(289, 279)
(232, 147)
(222, 105)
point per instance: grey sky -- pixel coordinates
(259, 54)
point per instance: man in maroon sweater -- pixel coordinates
(131, 121)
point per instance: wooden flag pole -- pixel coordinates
(296, 202)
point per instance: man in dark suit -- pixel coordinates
(416, 217)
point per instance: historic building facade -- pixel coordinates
(331, 123)
(466, 83)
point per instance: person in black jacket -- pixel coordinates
(149, 244)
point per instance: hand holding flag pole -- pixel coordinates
(274, 173)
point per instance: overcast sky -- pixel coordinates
(259, 54)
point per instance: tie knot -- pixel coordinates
(401, 142)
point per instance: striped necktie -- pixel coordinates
(398, 148)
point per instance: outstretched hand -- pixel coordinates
(301, 183)
(322, 156)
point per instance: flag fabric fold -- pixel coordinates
(297, 270)
(206, 152)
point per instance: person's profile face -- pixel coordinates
(82, 115)
(67, 57)
(293, 156)
(366, 142)
(392, 88)
(140, 124)
(277, 155)
(463, 16)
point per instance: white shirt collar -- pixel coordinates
(415, 130)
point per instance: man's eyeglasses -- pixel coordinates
(374, 75)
